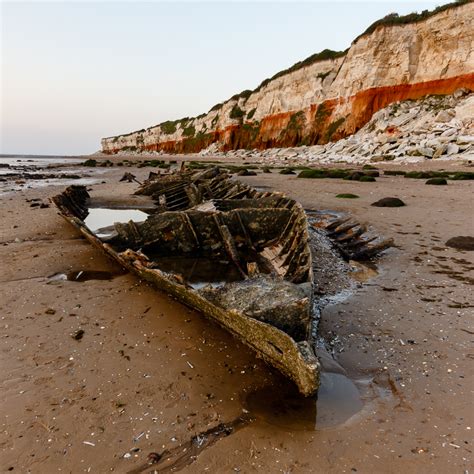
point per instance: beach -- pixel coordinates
(149, 375)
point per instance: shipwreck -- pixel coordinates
(254, 244)
(240, 256)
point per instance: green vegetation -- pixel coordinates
(236, 112)
(314, 58)
(252, 129)
(168, 128)
(347, 196)
(105, 164)
(368, 167)
(323, 75)
(293, 132)
(90, 162)
(337, 173)
(196, 165)
(244, 94)
(214, 120)
(251, 114)
(394, 173)
(297, 121)
(372, 173)
(287, 171)
(217, 107)
(426, 174)
(189, 131)
(197, 142)
(395, 19)
(313, 174)
(333, 126)
(462, 175)
(324, 173)
(322, 113)
(454, 175)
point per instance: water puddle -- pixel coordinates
(85, 275)
(199, 271)
(101, 220)
(337, 401)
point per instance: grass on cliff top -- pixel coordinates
(314, 58)
(396, 19)
(324, 55)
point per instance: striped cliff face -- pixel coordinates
(330, 98)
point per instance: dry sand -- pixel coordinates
(149, 373)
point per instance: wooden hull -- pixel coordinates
(269, 312)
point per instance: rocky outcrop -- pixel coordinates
(330, 95)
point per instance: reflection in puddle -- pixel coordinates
(101, 220)
(199, 271)
(85, 275)
(362, 272)
(338, 400)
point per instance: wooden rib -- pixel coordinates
(229, 243)
(188, 222)
(273, 255)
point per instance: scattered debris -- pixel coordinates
(78, 335)
(130, 178)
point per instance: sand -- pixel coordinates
(149, 373)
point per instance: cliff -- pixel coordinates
(330, 95)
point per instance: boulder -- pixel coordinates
(465, 140)
(440, 150)
(452, 149)
(389, 202)
(445, 116)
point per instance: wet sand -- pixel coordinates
(149, 374)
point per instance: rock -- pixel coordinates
(445, 116)
(426, 151)
(246, 173)
(389, 202)
(437, 181)
(462, 242)
(461, 92)
(440, 150)
(449, 132)
(452, 149)
(78, 335)
(465, 140)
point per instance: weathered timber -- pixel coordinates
(268, 305)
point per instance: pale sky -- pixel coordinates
(74, 72)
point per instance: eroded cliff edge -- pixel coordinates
(330, 95)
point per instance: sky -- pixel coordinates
(74, 72)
